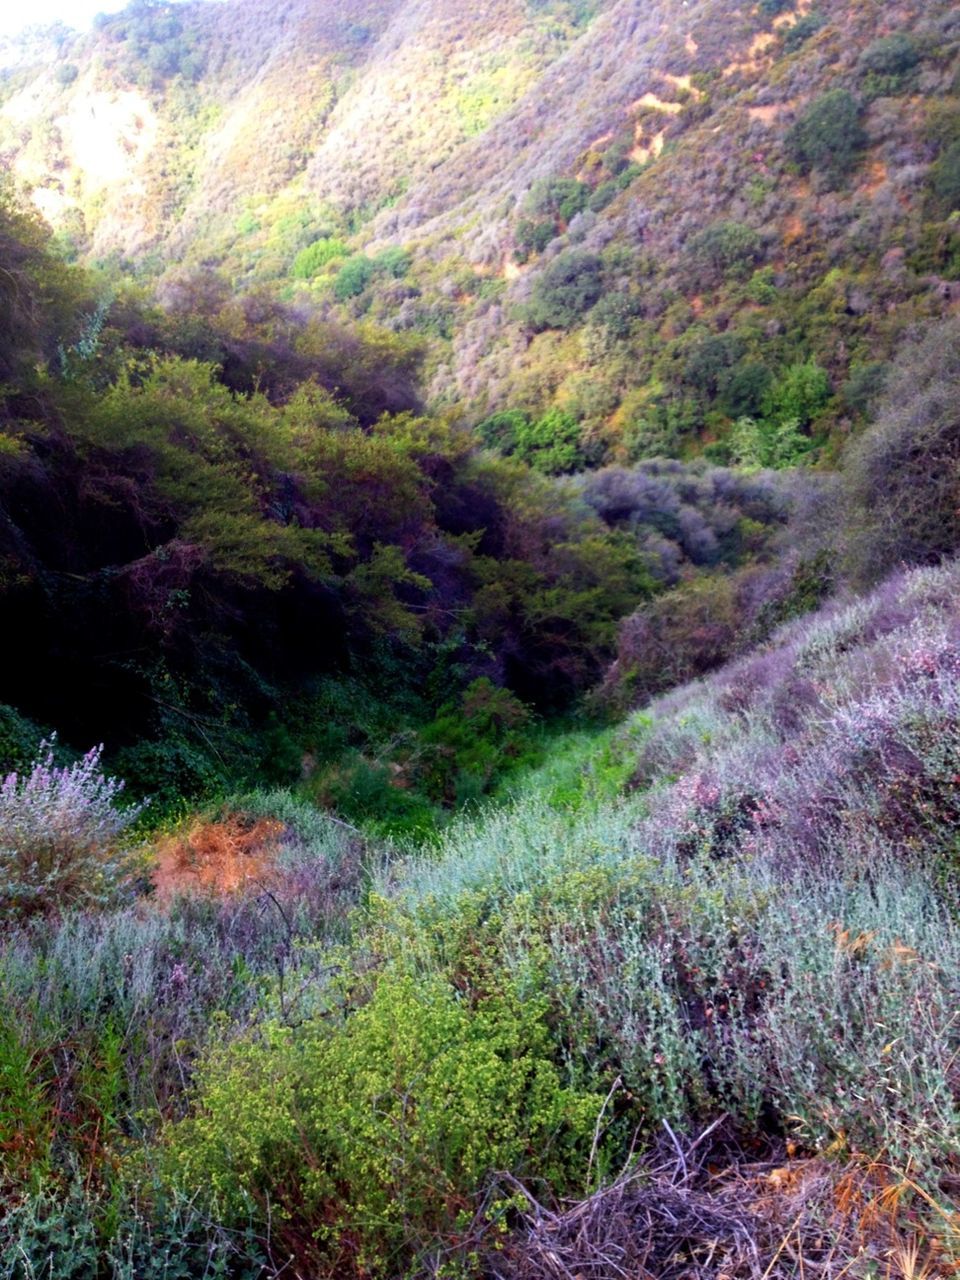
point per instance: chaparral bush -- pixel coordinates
(61, 835)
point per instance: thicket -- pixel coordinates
(903, 473)
(829, 137)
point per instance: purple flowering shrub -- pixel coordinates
(62, 835)
(839, 737)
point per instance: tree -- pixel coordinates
(316, 256)
(945, 179)
(828, 136)
(569, 287)
(799, 394)
(353, 278)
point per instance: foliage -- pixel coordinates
(892, 55)
(945, 179)
(805, 26)
(352, 278)
(724, 248)
(311, 260)
(772, 443)
(828, 136)
(568, 288)
(376, 1136)
(799, 394)
(61, 835)
(903, 474)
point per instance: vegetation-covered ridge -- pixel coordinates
(479, 727)
(638, 229)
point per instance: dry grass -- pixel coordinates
(217, 857)
(710, 1210)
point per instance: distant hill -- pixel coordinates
(675, 226)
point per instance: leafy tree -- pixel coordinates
(799, 394)
(892, 55)
(802, 30)
(708, 364)
(550, 444)
(568, 288)
(316, 256)
(767, 444)
(395, 262)
(500, 430)
(532, 237)
(828, 136)
(945, 179)
(353, 277)
(562, 198)
(745, 390)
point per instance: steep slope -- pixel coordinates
(657, 218)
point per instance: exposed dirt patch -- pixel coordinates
(876, 176)
(658, 104)
(767, 115)
(217, 857)
(752, 60)
(645, 151)
(793, 230)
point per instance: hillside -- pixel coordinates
(479, 713)
(748, 191)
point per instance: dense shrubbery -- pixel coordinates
(903, 474)
(829, 137)
(568, 288)
(461, 968)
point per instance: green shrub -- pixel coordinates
(562, 198)
(616, 313)
(802, 29)
(604, 194)
(799, 394)
(551, 443)
(473, 742)
(893, 55)
(945, 179)
(828, 136)
(311, 260)
(20, 741)
(746, 389)
(352, 278)
(532, 237)
(394, 262)
(376, 1137)
(568, 288)
(724, 249)
(773, 444)
(499, 431)
(371, 792)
